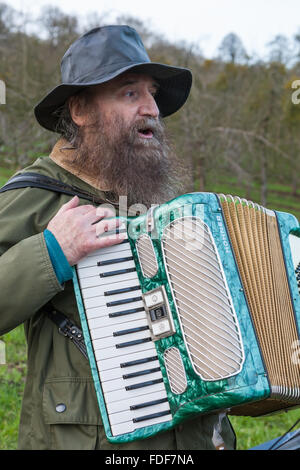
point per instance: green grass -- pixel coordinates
(254, 431)
(250, 431)
(279, 197)
(5, 173)
(12, 379)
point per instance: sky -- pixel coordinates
(200, 22)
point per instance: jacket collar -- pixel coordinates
(62, 154)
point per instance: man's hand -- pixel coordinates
(77, 232)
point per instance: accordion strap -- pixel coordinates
(37, 180)
(67, 328)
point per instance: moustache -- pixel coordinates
(147, 130)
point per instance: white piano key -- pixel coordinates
(113, 341)
(98, 319)
(115, 395)
(129, 415)
(96, 280)
(120, 384)
(118, 248)
(129, 426)
(129, 306)
(94, 292)
(98, 302)
(97, 270)
(93, 260)
(118, 372)
(112, 362)
(123, 405)
(107, 353)
(115, 255)
(100, 289)
(104, 310)
(97, 333)
(96, 308)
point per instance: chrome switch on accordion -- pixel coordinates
(158, 313)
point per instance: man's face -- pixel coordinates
(128, 98)
(122, 141)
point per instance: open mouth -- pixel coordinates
(146, 133)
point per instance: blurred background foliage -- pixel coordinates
(239, 121)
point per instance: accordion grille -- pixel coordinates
(175, 370)
(147, 257)
(204, 306)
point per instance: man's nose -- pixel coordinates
(148, 107)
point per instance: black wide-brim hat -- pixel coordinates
(101, 55)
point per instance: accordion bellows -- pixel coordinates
(199, 312)
(256, 242)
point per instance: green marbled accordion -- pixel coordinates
(198, 304)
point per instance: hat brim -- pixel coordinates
(175, 84)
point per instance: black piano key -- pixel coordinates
(114, 303)
(148, 403)
(130, 330)
(122, 291)
(152, 416)
(116, 273)
(141, 372)
(139, 361)
(133, 343)
(143, 384)
(114, 261)
(126, 312)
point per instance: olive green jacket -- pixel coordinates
(57, 372)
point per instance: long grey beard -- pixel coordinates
(144, 171)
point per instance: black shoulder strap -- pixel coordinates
(36, 180)
(67, 328)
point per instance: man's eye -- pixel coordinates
(129, 93)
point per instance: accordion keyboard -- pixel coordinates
(128, 367)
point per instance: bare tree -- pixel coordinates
(280, 50)
(232, 49)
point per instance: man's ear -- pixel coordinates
(77, 110)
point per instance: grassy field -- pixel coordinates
(250, 431)
(5, 173)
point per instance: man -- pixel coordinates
(108, 111)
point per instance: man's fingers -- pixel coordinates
(110, 231)
(105, 212)
(95, 214)
(80, 210)
(109, 240)
(107, 225)
(69, 205)
(98, 215)
(79, 232)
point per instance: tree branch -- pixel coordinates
(262, 139)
